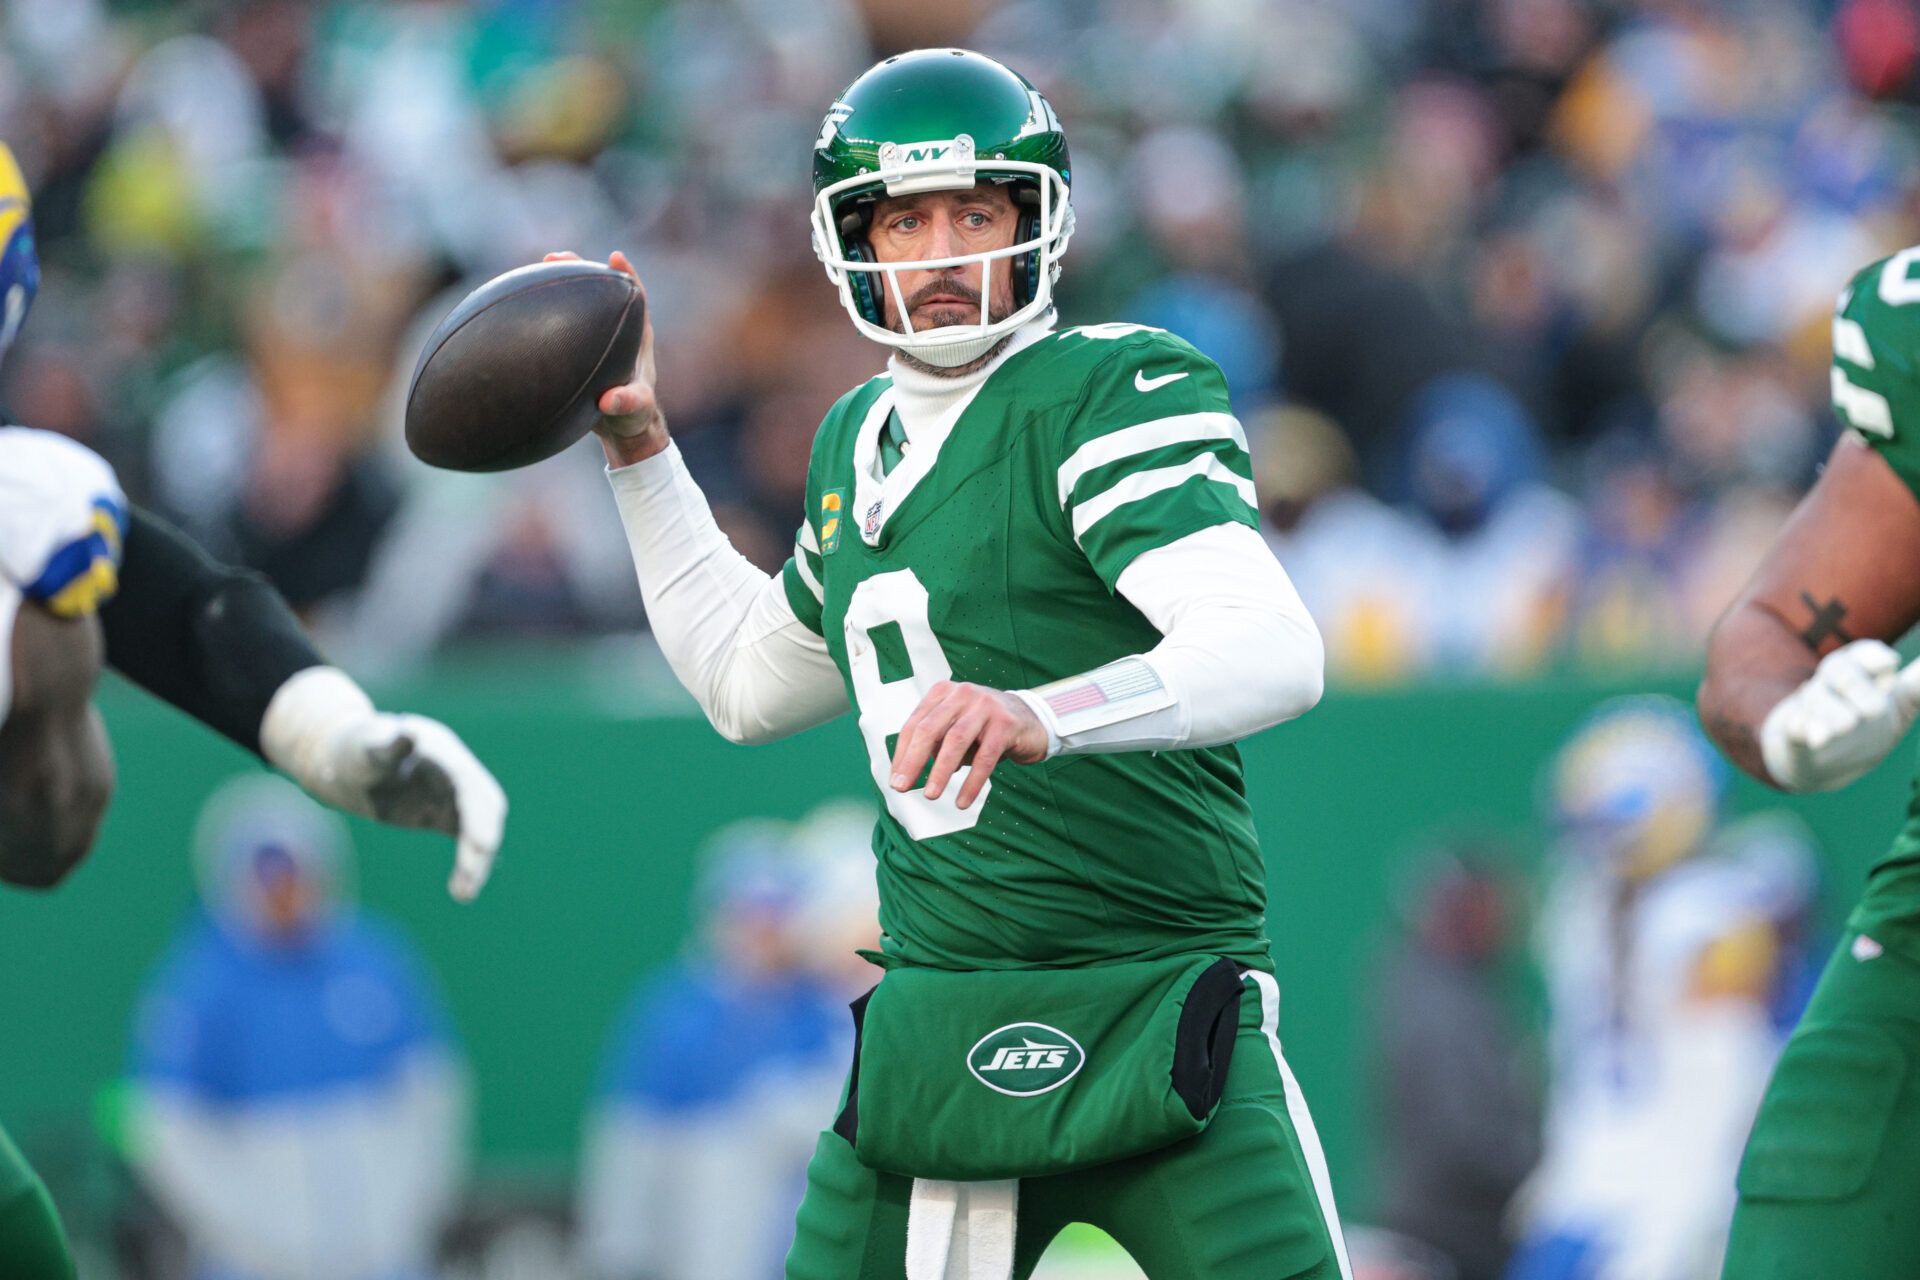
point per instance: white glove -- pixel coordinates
(1843, 721)
(323, 730)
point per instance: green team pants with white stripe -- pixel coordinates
(1248, 1199)
(32, 1246)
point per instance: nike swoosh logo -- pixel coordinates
(1141, 382)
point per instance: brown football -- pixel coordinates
(515, 373)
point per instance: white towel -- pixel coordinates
(962, 1230)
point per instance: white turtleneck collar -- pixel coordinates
(929, 403)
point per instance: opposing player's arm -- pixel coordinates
(1802, 690)
(56, 772)
(222, 645)
(215, 641)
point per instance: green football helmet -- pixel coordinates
(940, 120)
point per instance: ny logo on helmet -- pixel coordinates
(894, 154)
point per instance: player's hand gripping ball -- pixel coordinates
(516, 372)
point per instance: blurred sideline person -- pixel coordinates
(88, 582)
(298, 1106)
(1660, 962)
(1781, 854)
(723, 1063)
(1804, 692)
(1459, 1109)
(1028, 558)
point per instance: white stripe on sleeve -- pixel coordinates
(806, 573)
(1866, 411)
(1144, 484)
(1156, 434)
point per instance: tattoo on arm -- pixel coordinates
(1825, 622)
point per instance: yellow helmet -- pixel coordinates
(19, 263)
(1637, 787)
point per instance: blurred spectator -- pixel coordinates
(1662, 955)
(724, 1068)
(1459, 1111)
(1779, 852)
(1629, 604)
(1495, 591)
(1192, 197)
(298, 1104)
(1470, 579)
(1356, 561)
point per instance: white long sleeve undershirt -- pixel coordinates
(725, 626)
(1239, 654)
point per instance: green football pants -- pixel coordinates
(1248, 1199)
(1830, 1185)
(32, 1246)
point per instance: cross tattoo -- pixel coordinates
(1826, 622)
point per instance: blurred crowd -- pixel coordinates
(1524, 301)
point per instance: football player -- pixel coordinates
(1028, 563)
(1803, 692)
(87, 581)
(1659, 955)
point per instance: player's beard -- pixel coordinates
(946, 315)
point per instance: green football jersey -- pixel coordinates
(1876, 393)
(992, 559)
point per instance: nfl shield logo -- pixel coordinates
(871, 529)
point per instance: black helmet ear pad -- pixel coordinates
(1026, 266)
(866, 285)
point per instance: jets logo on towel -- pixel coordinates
(1024, 1059)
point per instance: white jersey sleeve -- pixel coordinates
(62, 521)
(727, 629)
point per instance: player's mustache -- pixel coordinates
(946, 286)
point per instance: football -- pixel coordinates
(515, 372)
